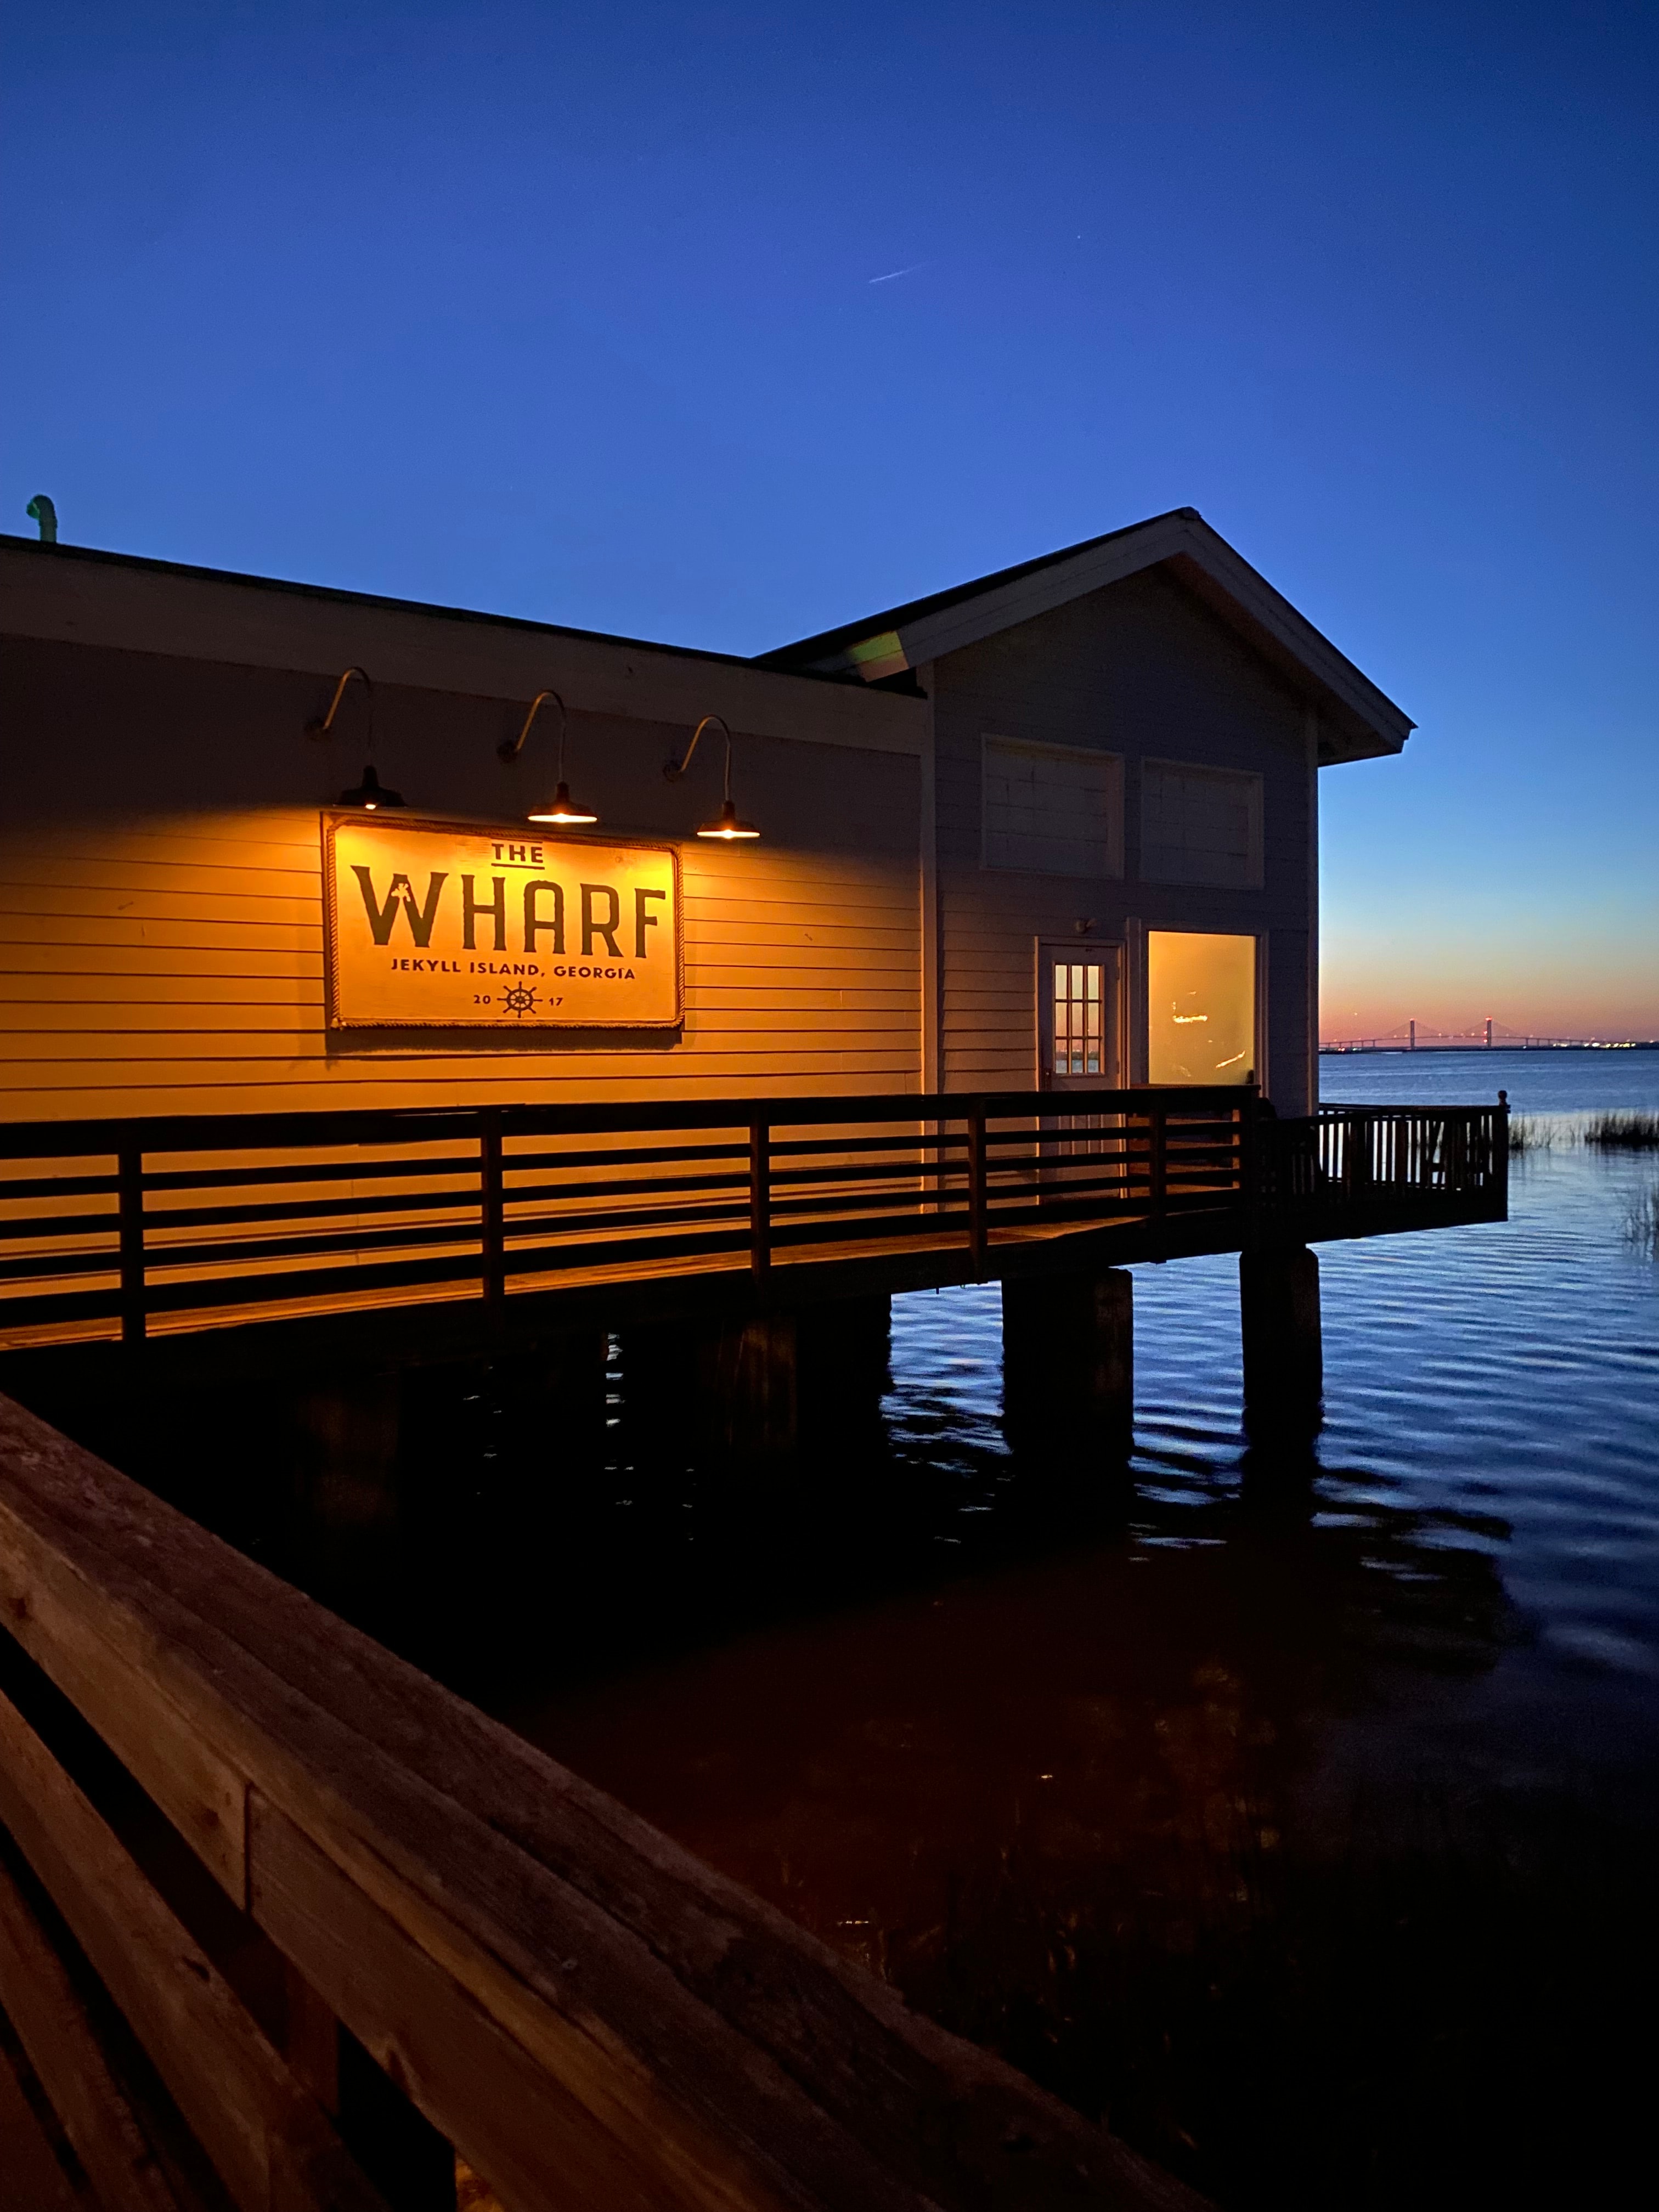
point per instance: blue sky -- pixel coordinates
(590, 315)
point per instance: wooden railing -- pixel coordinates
(1371, 1156)
(133, 1228)
(593, 2019)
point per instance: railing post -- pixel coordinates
(129, 1232)
(492, 1204)
(978, 1225)
(1363, 1133)
(760, 1198)
(1255, 1168)
(1158, 1165)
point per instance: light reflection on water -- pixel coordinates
(1303, 1833)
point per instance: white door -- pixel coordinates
(1078, 1018)
(1079, 1023)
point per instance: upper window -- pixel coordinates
(1052, 810)
(1200, 825)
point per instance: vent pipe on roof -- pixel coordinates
(41, 510)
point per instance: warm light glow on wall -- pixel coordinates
(1200, 1007)
(226, 1008)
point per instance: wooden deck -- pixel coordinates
(473, 1225)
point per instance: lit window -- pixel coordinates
(1200, 1007)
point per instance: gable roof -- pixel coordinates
(1357, 720)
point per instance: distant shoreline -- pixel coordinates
(1480, 1051)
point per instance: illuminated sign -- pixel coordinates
(443, 925)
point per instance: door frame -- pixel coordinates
(1114, 1000)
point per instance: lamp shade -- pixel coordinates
(371, 794)
(728, 825)
(563, 811)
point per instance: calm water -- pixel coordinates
(1301, 1828)
(1297, 1821)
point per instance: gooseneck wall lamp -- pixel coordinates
(371, 793)
(727, 824)
(563, 811)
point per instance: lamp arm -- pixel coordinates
(510, 748)
(674, 769)
(323, 726)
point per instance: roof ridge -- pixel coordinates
(826, 642)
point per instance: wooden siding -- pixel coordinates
(1143, 670)
(160, 901)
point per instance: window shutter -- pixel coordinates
(1200, 825)
(1052, 810)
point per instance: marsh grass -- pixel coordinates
(1642, 1221)
(1629, 1131)
(1529, 1135)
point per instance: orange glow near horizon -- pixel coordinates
(1371, 996)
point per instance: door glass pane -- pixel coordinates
(1080, 996)
(1200, 1007)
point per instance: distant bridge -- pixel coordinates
(1413, 1036)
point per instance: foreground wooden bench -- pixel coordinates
(591, 2016)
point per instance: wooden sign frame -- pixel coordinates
(463, 979)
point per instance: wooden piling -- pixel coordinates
(1068, 1365)
(346, 1433)
(760, 1388)
(1284, 1360)
(748, 1381)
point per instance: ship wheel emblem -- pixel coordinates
(519, 999)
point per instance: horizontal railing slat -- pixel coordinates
(307, 1171)
(278, 1211)
(206, 1132)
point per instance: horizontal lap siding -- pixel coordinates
(156, 968)
(992, 923)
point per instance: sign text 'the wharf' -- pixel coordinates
(445, 925)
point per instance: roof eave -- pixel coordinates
(337, 595)
(1357, 721)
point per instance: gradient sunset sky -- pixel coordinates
(723, 324)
